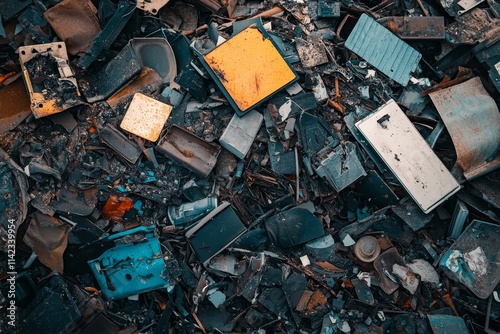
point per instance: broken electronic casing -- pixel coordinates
(189, 150)
(214, 233)
(145, 117)
(135, 265)
(406, 153)
(248, 68)
(40, 105)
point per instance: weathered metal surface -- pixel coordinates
(382, 49)
(473, 122)
(249, 68)
(481, 272)
(46, 102)
(190, 151)
(443, 324)
(146, 117)
(415, 27)
(75, 22)
(14, 105)
(420, 171)
(147, 81)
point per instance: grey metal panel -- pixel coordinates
(408, 156)
(382, 49)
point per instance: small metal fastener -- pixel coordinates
(367, 249)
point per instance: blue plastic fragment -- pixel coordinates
(135, 265)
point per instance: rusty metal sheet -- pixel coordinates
(145, 117)
(188, 150)
(147, 81)
(249, 68)
(14, 105)
(75, 22)
(473, 122)
(406, 153)
(48, 237)
(415, 27)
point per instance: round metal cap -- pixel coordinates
(367, 249)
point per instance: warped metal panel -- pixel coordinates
(382, 49)
(408, 156)
(472, 119)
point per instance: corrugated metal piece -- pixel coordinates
(406, 153)
(382, 49)
(472, 119)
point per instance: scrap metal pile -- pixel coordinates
(239, 166)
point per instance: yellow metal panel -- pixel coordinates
(146, 117)
(249, 67)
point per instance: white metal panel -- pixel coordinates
(408, 156)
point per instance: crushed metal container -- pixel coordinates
(189, 150)
(406, 153)
(382, 49)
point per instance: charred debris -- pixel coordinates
(228, 166)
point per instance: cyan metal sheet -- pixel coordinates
(383, 50)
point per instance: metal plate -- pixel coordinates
(249, 68)
(406, 153)
(146, 117)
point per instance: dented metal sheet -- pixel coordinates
(146, 117)
(473, 122)
(395, 138)
(48, 78)
(249, 68)
(382, 49)
(190, 151)
(75, 22)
